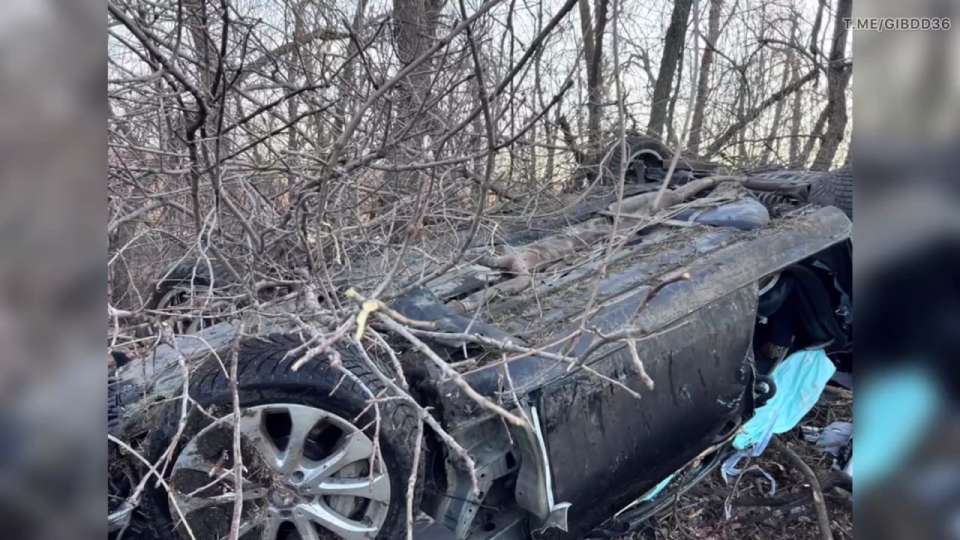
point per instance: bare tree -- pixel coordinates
(838, 78)
(592, 30)
(414, 27)
(703, 79)
(672, 51)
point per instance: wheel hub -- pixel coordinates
(283, 497)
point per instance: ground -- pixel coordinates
(754, 515)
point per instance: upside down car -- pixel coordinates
(603, 442)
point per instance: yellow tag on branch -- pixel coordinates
(368, 307)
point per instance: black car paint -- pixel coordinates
(606, 448)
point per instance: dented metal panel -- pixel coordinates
(605, 446)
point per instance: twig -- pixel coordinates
(431, 422)
(638, 364)
(237, 454)
(450, 372)
(412, 480)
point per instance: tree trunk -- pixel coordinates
(414, 30)
(551, 133)
(795, 123)
(703, 80)
(796, 108)
(195, 18)
(345, 103)
(672, 136)
(293, 141)
(838, 78)
(815, 135)
(672, 49)
(592, 31)
(742, 92)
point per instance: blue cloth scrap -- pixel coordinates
(800, 380)
(895, 409)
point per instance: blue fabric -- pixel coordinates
(800, 380)
(894, 410)
(657, 488)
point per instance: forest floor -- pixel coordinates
(754, 514)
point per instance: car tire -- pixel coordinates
(834, 188)
(180, 286)
(185, 274)
(265, 383)
(642, 153)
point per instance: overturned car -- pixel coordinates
(562, 385)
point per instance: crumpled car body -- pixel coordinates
(600, 436)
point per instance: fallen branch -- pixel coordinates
(384, 317)
(237, 454)
(530, 257)
(448, 371)
(823, 518)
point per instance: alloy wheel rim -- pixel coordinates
(305, 470)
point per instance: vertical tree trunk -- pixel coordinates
(195, 19)
(538, 88)
(508, 41)
(742, 119)
(592, 31)
(345, 103)
(796, 108)
(293, 141)
(756, 87)
(796, 120)
(414, 30)
(804, 156)
(838, 78)
(551, 135)
(672, 136)
(672, 49)
(703, 80)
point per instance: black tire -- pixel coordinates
(834, 188)
(178, 290)
(187, 274)
(264, 377)
(647, 153)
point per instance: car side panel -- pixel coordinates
(606, 447)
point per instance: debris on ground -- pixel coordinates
(755, 515)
